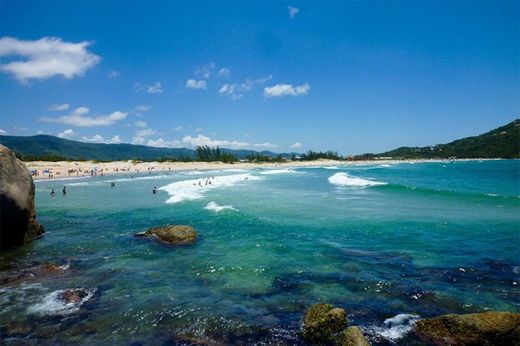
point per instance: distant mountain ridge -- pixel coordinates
(502, 142)
(50, 146)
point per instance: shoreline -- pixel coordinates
(65, 170)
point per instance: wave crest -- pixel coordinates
(215, 207)
(343, 179)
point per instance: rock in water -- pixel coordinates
(174, 234)
(322, 322)
(488, 328)
(352, 336)
(17, 211)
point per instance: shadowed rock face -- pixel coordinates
(175, 235)
(17, 210)
(488, 328)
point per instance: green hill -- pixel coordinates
(503, 142)
(54, 148)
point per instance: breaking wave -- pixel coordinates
(343, 179)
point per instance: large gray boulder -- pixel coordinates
(17, 211)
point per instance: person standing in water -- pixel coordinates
(154, 190)
(52, 193)
(64, 190)
(112, 184)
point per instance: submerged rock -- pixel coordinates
(174, 234)
(18, 215)
(488, 328)
(352, 336)
(322, 322)
(42, 270)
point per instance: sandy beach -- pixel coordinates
(44, 170)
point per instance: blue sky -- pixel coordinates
(347, 76)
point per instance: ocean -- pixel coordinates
(390, 243)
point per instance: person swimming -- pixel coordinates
(52, 192)
(112, 184)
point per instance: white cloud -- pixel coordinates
(2, 132)
(280, 90)
(78, 118)
(293, 11)
(155, 88)
(58, 107)
(46, 58)
(237, 91)
(161, 143)
(296, 145)
(138, 140)
(140, 123)
(205, 71)
(67, 134)
(195, 84)
(199, 129)
(113, 74)
(224, 72)
(145, 133)
(178, 128)
(203, 140)
(115, 140)
(94, 139)
(139, 110)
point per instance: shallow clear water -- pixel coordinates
(432, 238)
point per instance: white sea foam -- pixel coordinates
(54, 304)
(279, 171)
(394, 328)
(190, 189)
(343, 179)
(331, 167)
(385, 165)
(215, 207)
(229, 170)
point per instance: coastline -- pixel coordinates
(79, 169)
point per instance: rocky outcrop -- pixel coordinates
(174, 234)
(352, 336)
(488, 328)
(17, 210)
(38, 271)
(322, 322)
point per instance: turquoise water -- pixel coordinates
(382, 240)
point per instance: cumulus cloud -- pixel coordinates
(67, 134)
(293, 11)
(203, 140)
(113, 74)
(139, 110)
(2, 132)
(46, 58)
(224, 72)
(195, 84)
(138, 140)
(237, 91)
(58, 107)
(78, 118)
(280, 90)
(296, 145)
(155, 88)
(94, 139)
(140, 123)
(161, 143)
(115, 140)
(205, 71)
(145, 133)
